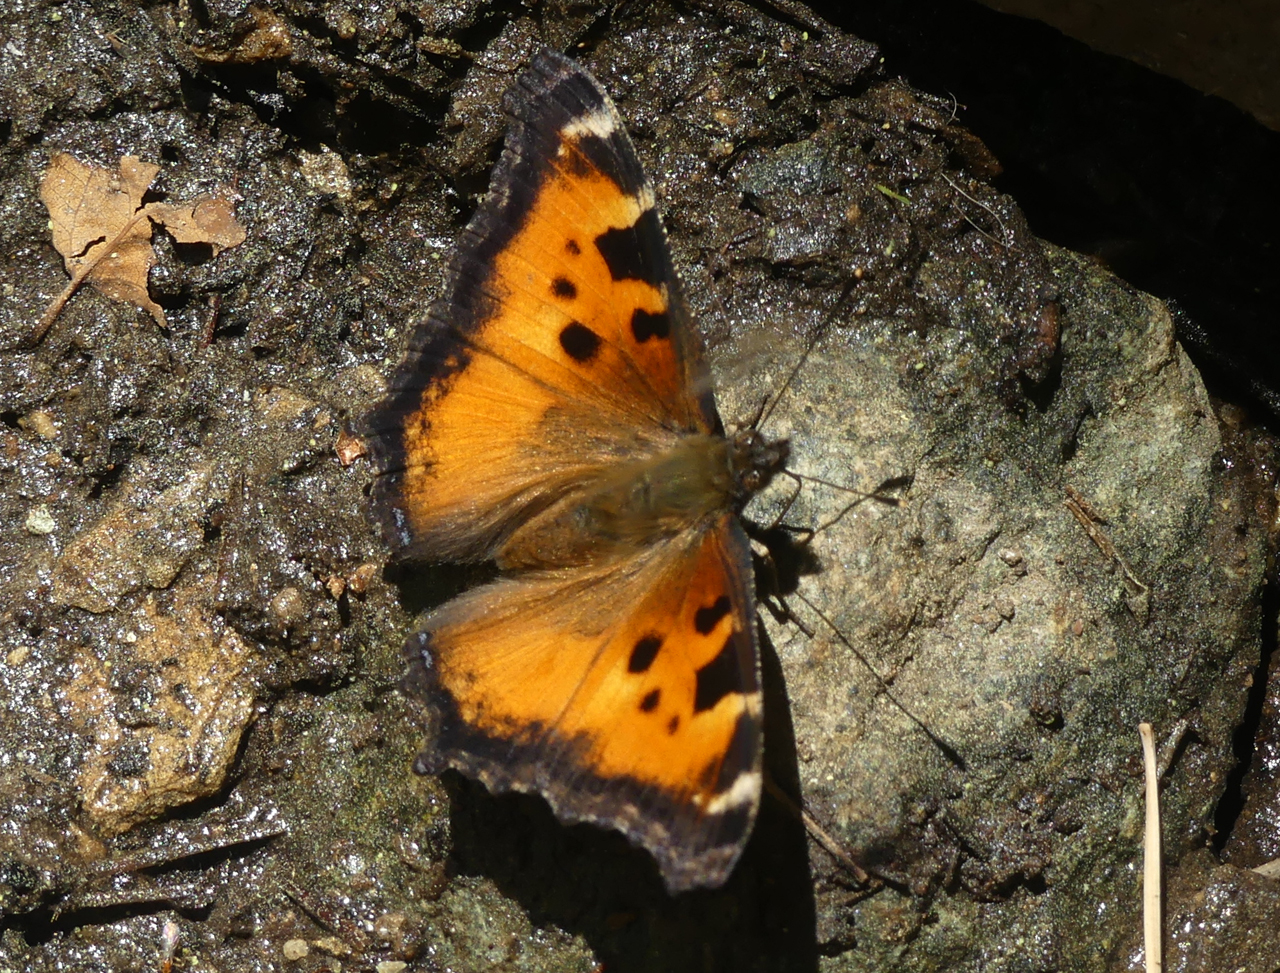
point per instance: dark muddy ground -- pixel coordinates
(201, 635)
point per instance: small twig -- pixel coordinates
(1088, 519)
(1151, 918)
(955, 108)
(1004, 230)
(93, 257)
(215, 839)
(1171, 745)
(891, 193)
(325, 916)
(817, 832)
(215, 306)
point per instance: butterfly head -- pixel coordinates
(755, 459)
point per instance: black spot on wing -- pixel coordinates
(650, 701)
(721, 676)
(634, 252)
(548, 96)
(722, 772)
(576, 165)
(564, 288)
(613, 157)
(673, 724)
(706, 619)
(579, 342)
(645, 325)
(571, 247)
(740, 756)
(645, 651)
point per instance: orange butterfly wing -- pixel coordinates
(618, 680)
(626, 695)
(560, 346)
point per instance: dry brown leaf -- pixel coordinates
(92, 209)
(103, 230)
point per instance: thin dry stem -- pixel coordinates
(1151, 919)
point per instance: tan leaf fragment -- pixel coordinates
(210, 219)
(268, 39)
(103, 231)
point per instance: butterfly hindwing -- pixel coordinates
(561, 302)
(628, 696)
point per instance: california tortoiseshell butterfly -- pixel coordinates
(555, 415)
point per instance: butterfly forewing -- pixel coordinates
(561, 301)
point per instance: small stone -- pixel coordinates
(388, 926)
(295, 949)
(325, 172)
(360, 578)
(392, 966)
(41, 423)
(332, 945)
(349, 448)
(288, 608)
(1003, 604)
(39, 521)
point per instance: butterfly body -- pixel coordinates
(640, 502)
(555, 415)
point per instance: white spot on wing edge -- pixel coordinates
(599, 122)
(744, 790)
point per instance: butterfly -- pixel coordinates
(554, 415)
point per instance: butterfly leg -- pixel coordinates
(769, 579)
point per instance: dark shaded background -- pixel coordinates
(1175, 189)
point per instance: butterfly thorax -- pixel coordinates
(635, 504)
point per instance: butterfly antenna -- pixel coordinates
(859, 497)
(818, 332)
(947, 749)
(723, 311)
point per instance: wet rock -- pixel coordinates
(1217, 917)
(142, 540)
(166, 719)
(983, 775)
